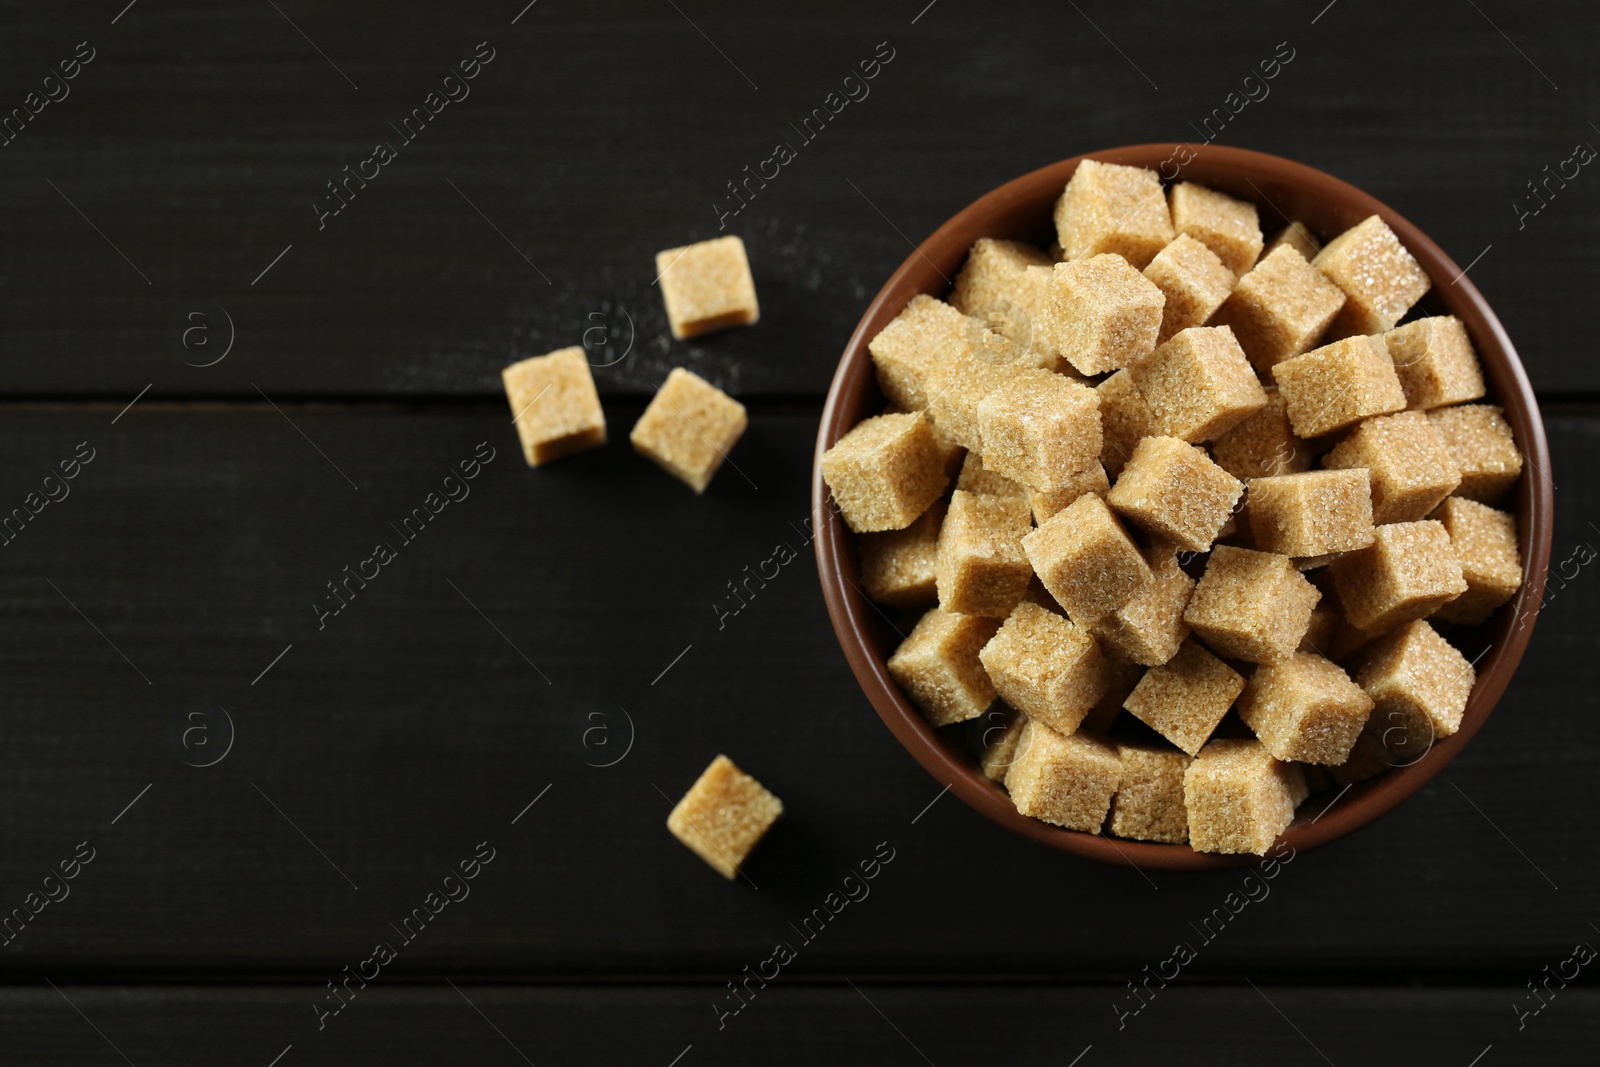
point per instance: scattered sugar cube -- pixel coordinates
(723, 816)
(1044, 666)
(1279, 308)
(1199, 384)
(1263, 445)
(1485, 543)
(1315, 513)
(1173, 489)
(1419, 685)
(1251, 605)
(884, 472)
(1184, 698)
(1006, 286)
(1298, 236)
(907, 353)
(1337, 385)
(1001, 748)
(1380, 279)
(897, 566)
(1104, 313)
(689, 428)
(1149, 629)
(937, 666)
(1228, 227)
(1481, 444)
(1411, 467)
(1107, 207)
(957, 388)
(1239, 798)
(1193, 281)
(981, 569)
(1086, 560)
(707, 287)
(1040, 429)
(976, 478)
(1408, 572)
(1148, 805)
(554, 404)
(1368, 759)
(1067, 781)
(1435, 361)
(1045, 504)
(1125, 419)
(1305, 709)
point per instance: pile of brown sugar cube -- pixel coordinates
(1200, 478)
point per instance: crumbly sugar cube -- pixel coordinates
(1311, 514)
(1125, 419)
(1367, 759)
(1172, 489)
(1104, 313)
(1199, 384)
(1280, 308)
(1482, 445)
(997, 288)
(907, 353)
(1000, 746)
(1305, 708)
(897, 566)
(554, 404)
(1193, 281)
(1419, 685)
(1408, 572)
(976, 478)
(707, 286)
(1107, 207)
(957, 388)
(1338, 385)
(981, 568)
(884, 472)
(723, 816)
(1148, 805)
(1087, 560)
(689, 428)
(1263, 445)
(1379, 278)
(1485, 543)
(1410, 465)
(1239, 798)
(1230, 228)
(937, 665)
(1067, 781)
(1046, 667)
(1149, 629)
(1184, 698)
(1045, 504)
(1040, 429)
(1251, 605)
(1298, 236)
(1121, 677)
(1435, 361)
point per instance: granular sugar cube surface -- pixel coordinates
(937, 666)
(976, 478)
(1314, 513)
(1338, 385)
(1251, 605)
(554, 405)
(956, 390)
(1104, 313)
(1174, 490)
(707, 286)
(1483, 448)
(1046, 504)
(1199, 385)
(1149, 629)
(1107, 207)
(1229, 228)
(1408, 572)
(1046, 667)
(1040, 429)
(689, 428)
(1001, 746)
(1485, 543)
(1193, 281)
(981, 568)
(1419, 685)
(1263, 445)
(1298, 236)
(1148, 805)
(1239, 798)
(1411, 466)
(1279, 308)
(1125, 419)
(1435, 362)
(1087, 560)
(885, 472)
(1067, 781)
(1305, 708)
(897, 566)
(1185, 698)
(723, 816)
(908, 353)
(1380, 279)
(1005, 285)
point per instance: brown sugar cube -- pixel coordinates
(1435, 361)
(1193, 281)
(1325, 620)
(1086, 560)
(1173, 489)
(907, 353)
(1279, 308)
(1148, 805)
(1263, 445)
(1298, 236)
(1305, 709)
(884, 472)
(1067, 781)
(981, 569)
(1121, 677)
(1239, 798)
(1044, 666)
(554, 404)
(723, 816)
(1419, 685)
(1229, 227)
(957, 388)
(1104, 314)
(1481, 444)
(976, 478)
(1149, 629)
(1411, 466)
(1485, 543)
(1125, 419)
(1199, 385)
(1315, 513)
(689, 428)
(1251, 605)
(1005, 285)
(707, 286)
(1368, 759)
(1336, 385)
(1000, 746)
(937, 666)
(1380, 279)
(1045, 504)
(1408, 572)
(1111, 208)
(1040, 429)
(897, 566)
(1185, 698)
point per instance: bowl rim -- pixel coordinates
(929, 269)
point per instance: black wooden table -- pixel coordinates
(257, 366)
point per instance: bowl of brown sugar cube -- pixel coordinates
(1175, 505)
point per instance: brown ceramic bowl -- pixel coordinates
(1022, 210)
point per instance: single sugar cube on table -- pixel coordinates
(1193, 281)
(1305, 709)
(1040, 429)
(981, 568)
(1279, 308)
(1230, 228)
(1314, 513)
(1411, 466)
(897, 566)
(1174, 490)
(1125, 420)
(554, 405)
(1251, 605)
(723, 816)
(1149, 629)
(689, 428)
(1104, 314)
(1408, 572)
(1435, 362)
(1000, 745)
(1199, 384)
(885, 472)
(937, 666)
(1067, 781)
(1239, 797)
(976, 478)
(1185, 698)
(1046, 667)
(1263, 445)
(1379, 278)
(1148, 805)
(1419, 685)
(1298, 236)
(907, 353)
(707, 286)
(1483, 447)
(1485, 543)
(1111, 208)
(1087, 560)
(1338, 385)
(1047, 503)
